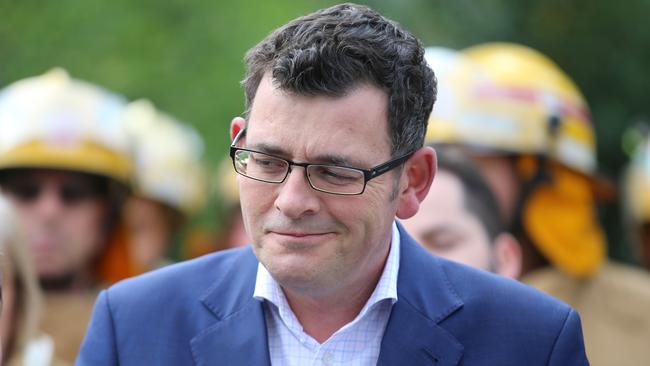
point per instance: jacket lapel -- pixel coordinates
(425, 298)
(238, 335)
(413, 335)
(412, 339)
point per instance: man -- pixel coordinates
(64, 165)
(330, 153)
(460, 219)
(528, 128)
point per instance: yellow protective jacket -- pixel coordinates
(614, 306)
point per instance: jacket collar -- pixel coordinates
(425, 298)
(239, 336)
(413, 335)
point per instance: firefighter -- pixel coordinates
(65, 165)
(528, 128)
(460, 218)
(170, 183)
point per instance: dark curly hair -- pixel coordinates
(334, 50)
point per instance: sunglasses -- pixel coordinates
(70, 192)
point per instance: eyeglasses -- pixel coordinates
(69, 193)
(333, 179)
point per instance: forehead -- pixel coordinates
(446, 194)
(309, 126)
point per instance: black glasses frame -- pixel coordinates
(368, 174)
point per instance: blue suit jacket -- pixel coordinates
(202, 312)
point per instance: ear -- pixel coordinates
(415, 182)
(508, 256)
(236, 125)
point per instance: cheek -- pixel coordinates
(256, 199)
(364, 215)
(85, 226)
(477, 249)
(471, 255)
(28, 219)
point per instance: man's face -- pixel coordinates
(64, 217)
(445, 227)
(310, 241)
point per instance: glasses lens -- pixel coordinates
(75, 192)
(260, 166)
(336, 179)
(23, 191)
(70, 193)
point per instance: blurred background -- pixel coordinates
(186, 56)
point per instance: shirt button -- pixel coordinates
(328, 357)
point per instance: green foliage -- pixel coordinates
(186, 56)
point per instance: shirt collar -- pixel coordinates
(266, 288)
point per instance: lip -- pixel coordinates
(292, 242)
(300, 234)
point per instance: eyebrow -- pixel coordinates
(332, 159)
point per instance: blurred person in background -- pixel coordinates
(23, 343)
(636, 195)
(529, 130)
(170, 183)
(65, 165)
(229, 231)
(232, 233)
(460, 218)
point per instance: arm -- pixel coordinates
(569, 348)
(98, 347)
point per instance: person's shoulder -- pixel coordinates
(484, 292)
(188, 279)
(430, 276)
(624, 292)
(626, 280)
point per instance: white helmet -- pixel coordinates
(167, 156)
(53, 121)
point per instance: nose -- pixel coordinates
(296, 198)
(49, 204)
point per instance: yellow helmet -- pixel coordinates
(53, 121)
(513, 103)
(516, 101)
(450, 121)
(168, 157)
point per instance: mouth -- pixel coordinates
(300, 234)
(300, 239)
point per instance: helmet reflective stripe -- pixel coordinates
(560, 106)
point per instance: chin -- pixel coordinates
(289, 268)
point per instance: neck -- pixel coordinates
(322, 315)
(71, 282)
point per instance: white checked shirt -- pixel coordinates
(356, 343)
